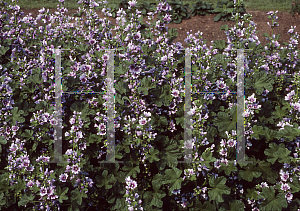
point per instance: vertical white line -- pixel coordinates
(187, 107)
(58, 107)
(110, 109)
(240, 106)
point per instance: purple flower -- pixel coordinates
(63, 177)
(30, 183)
(289, 196)
(75, 169)
(143, 121)
(131, 184)
(285, 187)
(92, 41)
(132, 3)
(220, 84)
(175, 93)
(79, 134)
(251, 98)
(105, 57)
(53, 122)
(231, 143)
(284, 176)
(83, 78)
(43, 191)
(15, 128)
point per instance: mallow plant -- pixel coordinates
(149, 116)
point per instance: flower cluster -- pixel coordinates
(132, 196)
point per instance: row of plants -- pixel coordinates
(180, 11)
(149, 104)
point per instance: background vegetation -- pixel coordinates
(265, 5)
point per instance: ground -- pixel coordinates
(211, 30)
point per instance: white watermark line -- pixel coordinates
(58, 108)
(240, 108)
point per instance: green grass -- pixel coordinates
(265, 5)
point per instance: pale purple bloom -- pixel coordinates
(264, 184)
(75, 169)
(132, 3)
(63, 177)
(231, 143)
(285, 187)
(142, 121)
(43, 191)
(189, 144)
(223, 143)
(15, 128)
(175, 93)
(79, 134)
(147, 114)
(105, 57)
(251, 98)
(83, 78)
(53, 122)
(220, 84)
(289, 196)
(284, 176)
(30, 183)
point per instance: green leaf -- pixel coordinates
(3, 140)
(25, 199)
(132, 171)
(257, 130)
(224, 27)
(217, 17)
(289, 132)
(153, 155)
(228, 169)
(173, 177)
(251, 193)
(280, 113)
(62, 194)
(249, 173)
(207, 156)
(16, 116)
(28, 134)
(262, 81)
(2, 199)
(278, 152)
(120, 87)
(268, 173)
(158, 181)
(236, 205)
(218, 189)
(271, 202)
(224, 122)
(156, 201)
(295, 185)
(3, 50)
(77, 195)
(169, 155)
(105, 180)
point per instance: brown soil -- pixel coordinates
(211, 30)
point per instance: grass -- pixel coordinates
(265, 5)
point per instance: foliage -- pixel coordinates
(179, 11)
(225, 9)
(201, 8)
(295, 7)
